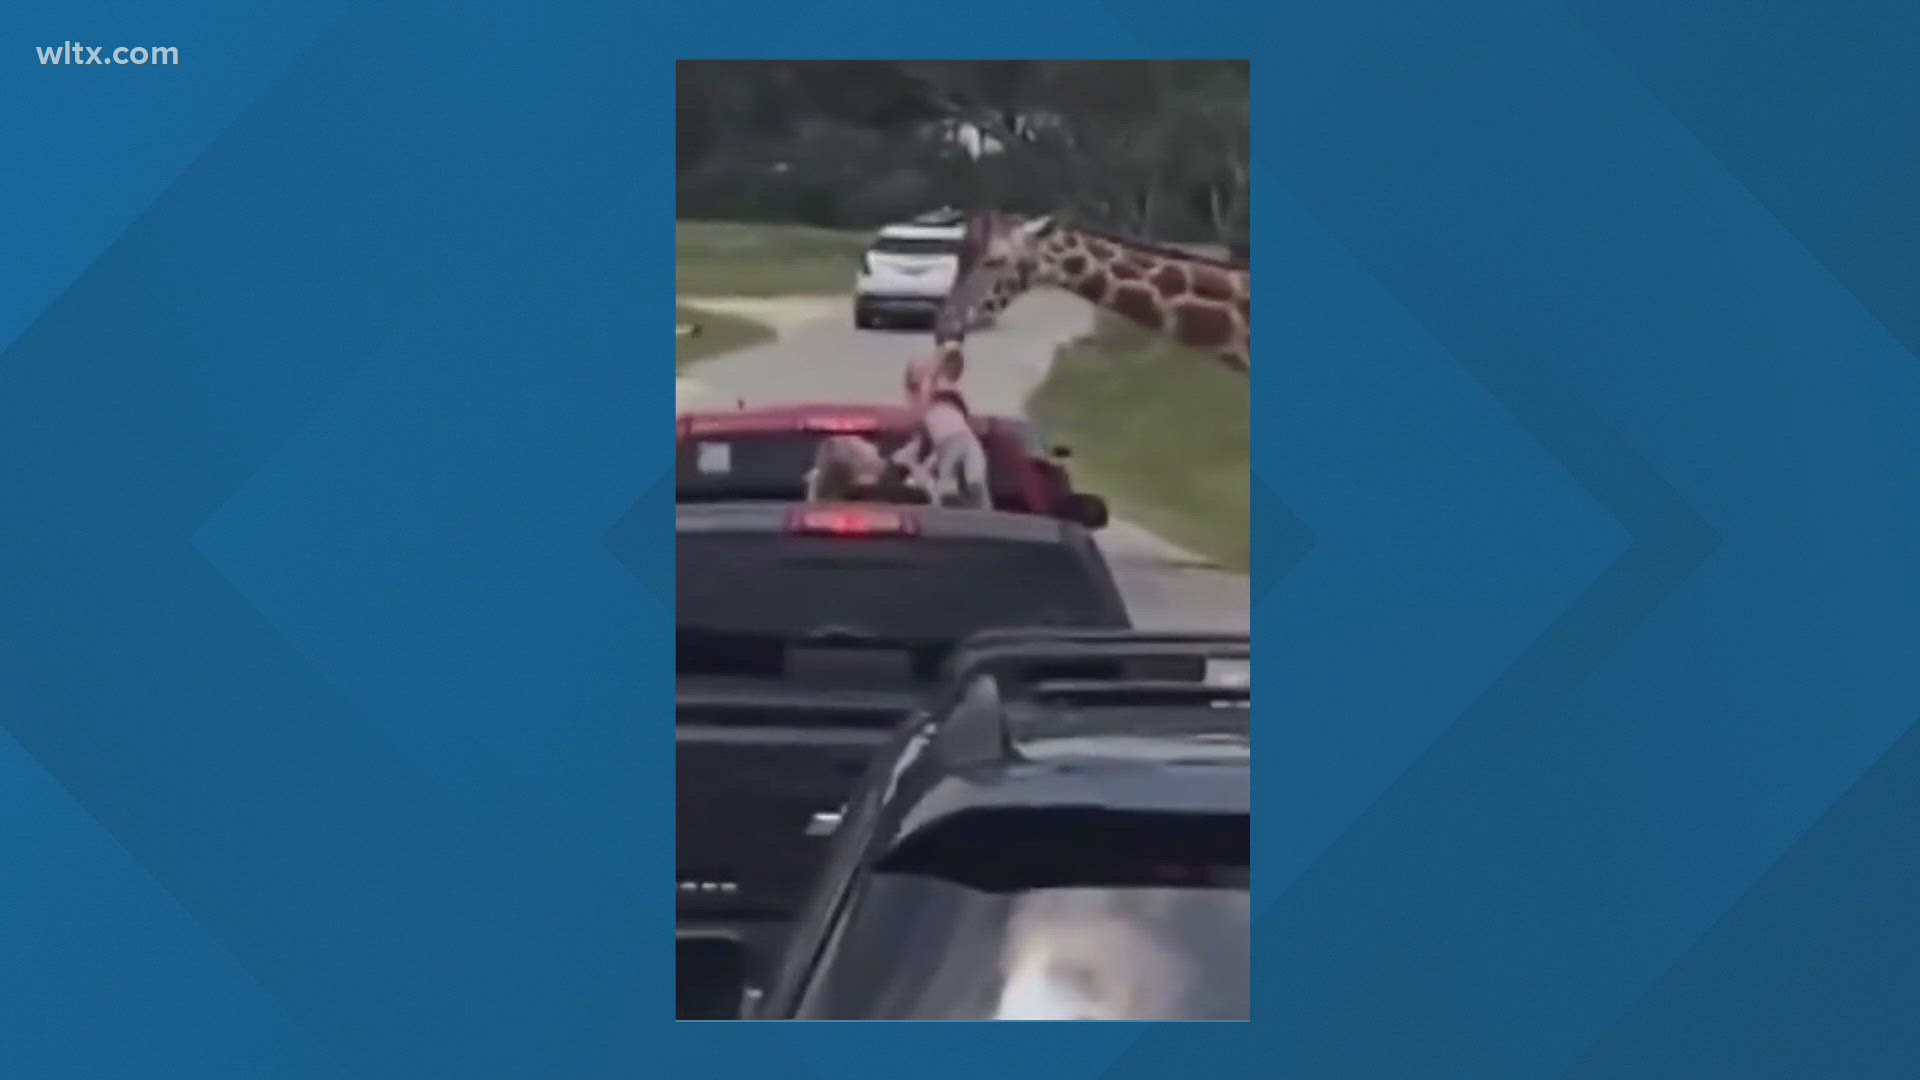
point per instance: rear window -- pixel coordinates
(771, 466)
(946, 952)
(1050, 923)
(746, 603)
(1014, 849)
(915, 245)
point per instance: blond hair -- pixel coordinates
(841, 464)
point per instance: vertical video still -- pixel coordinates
(962, 614)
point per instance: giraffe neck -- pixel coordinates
(1198, 302)
(1005, 292)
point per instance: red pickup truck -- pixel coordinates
(765, 452)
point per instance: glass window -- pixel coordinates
(770, 466)
(757, 465)
(915, 245)
(744, 601)
(921, 948)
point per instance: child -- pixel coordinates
(847, 468)
(944, 456)
(842, 465)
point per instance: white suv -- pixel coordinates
(908, 270)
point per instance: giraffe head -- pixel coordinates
(999, 257)
(1008, 243)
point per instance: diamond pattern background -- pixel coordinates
(332, 664)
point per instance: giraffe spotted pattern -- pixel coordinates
(1201, 302)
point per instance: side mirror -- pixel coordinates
(1089, 511)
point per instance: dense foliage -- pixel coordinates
(1153, 147)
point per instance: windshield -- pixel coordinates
(915, 245)
(918, 948)
(746, 602)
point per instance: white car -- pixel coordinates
(907, 271)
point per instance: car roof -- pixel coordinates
(925, 803)
(1204, 787)
(939, 522)
(1120, 738)
(1120, 743)
(1153, 733)
(923, 231)
(792, 412)
(784, 416)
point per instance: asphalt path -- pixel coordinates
(820, 356)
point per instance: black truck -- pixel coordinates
(1062, 834)
(805, 636)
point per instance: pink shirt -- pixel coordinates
(925, 378)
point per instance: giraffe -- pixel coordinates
(1198, 301)
(1006, 288)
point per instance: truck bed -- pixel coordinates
(754, 768)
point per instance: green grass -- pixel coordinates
(718, 333)
(1160, 431)
(717, 258)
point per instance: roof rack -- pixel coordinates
(1027, 655)
(988, 644)
(1093, 636)
(1043, 667)
(1136, 692)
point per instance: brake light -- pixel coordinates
(695, 427)
(851, 521)
(843, 425)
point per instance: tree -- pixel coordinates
(1157, 147)
(1127, 142)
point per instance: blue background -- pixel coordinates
(335, 729)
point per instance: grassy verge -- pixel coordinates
(718, 333)
(719, 258)
(1160, 431)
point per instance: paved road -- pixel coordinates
(825, 359)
